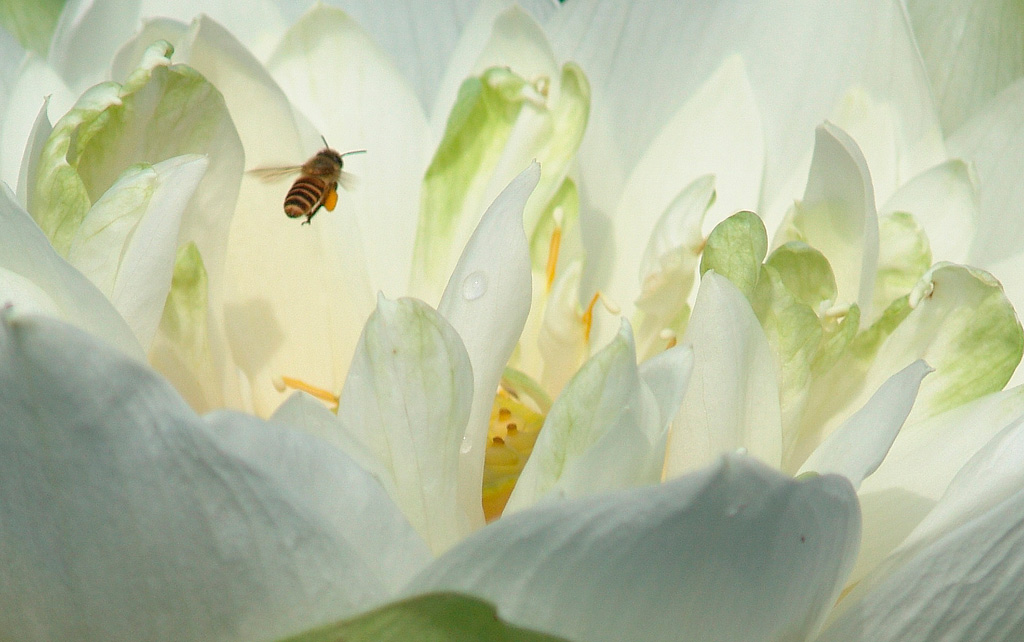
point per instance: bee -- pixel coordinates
(317, 184)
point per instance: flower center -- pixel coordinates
(516, 420)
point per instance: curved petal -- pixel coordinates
(924, 458)
(733, 552)
(406, 400)
(718, 131)
(58, 288)
(487, 301)
(858, 446)
(607, 429)
(87, 35)
(959, 575)
(127, 242)
(123, 511)
(732, 400)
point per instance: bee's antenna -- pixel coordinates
(355, 151)
(325, 140)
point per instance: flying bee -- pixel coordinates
(317, 184)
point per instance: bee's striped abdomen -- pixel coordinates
(305, 197)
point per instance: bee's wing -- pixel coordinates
(270, 174)
(348, 181)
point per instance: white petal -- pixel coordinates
(644, 60)
(406, 399)
(607, 429)
(732, 400)
(959, 576)
(87, 35)
(718, 131)
(944, 200)
(127, 242)
(919, 467)
(733, 552)
(838, 216)
(858, 446)
(972, 50)
(356, 98)
(993, 140)
(125, 512)
(258, 24)
(487, 301)
(27, 254)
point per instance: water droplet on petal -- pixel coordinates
(474, 286)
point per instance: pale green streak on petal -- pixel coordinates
(794, 333)
(181, 348)
(735, 249)
(607, 429)
(160, 112)
(407, 400)
(840, 332)
(965, 328)
(972, 50)
(31, 21)
(478, 127)
(669, 266)
(904, 255)
(557, 146)
(127, 242)
(837, 215)
(566, 202)
(736, 551)
(51, 283)
(433, 617)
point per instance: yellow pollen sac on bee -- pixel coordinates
(515, 424)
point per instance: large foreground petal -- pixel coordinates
(124, 515)
(733, 552)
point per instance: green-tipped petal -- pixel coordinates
(717, 132)
(944, 200)
(963, 326)
(487, 301)
(606, 430)
(858, 446)
(837, 215)
(735, 249)
(126, 243)
(732, 400)
(40, 280)
(407, 399)
(178, 526)
(733, 552)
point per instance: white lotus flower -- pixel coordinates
(283, 533)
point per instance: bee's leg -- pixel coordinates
(331, 198)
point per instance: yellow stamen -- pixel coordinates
(556, 242)
(588, 314)
(329, 398)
